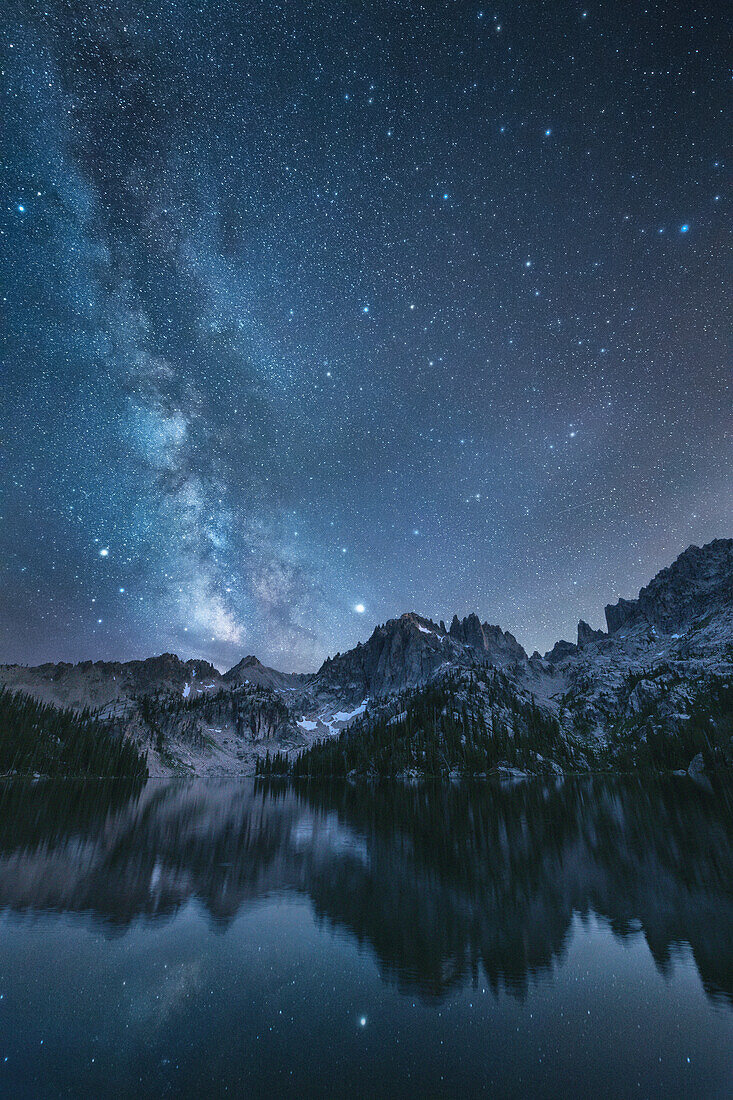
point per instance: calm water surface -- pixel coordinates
(207, 938)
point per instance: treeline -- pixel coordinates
(471, 727)
(272, 765)
(38, 738)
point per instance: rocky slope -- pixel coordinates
(664, 665)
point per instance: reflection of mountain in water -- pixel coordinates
(441, 882)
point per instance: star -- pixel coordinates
(189, 343)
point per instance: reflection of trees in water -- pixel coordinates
(486, 878)
(442, 882)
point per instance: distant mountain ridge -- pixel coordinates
(659, 653)
(251, 671)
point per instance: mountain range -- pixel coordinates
(662, 668)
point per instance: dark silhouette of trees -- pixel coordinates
(38, 738)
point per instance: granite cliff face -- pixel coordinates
(699, 582)
(402, 653)
(666, 655)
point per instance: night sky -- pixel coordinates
(314, 314)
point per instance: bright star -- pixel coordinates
(359, 608)
(104, 552)
(362, 1021)
(365, 309)
(547, 133)
(684, 228)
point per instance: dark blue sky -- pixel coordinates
(310, 307)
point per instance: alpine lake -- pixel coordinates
(530, 939)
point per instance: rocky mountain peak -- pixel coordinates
(587, 635)
(499, 646)
(250, 670)
(560, 652)
(399, 653)
(408, 651)
(700, 580)
(248, 662)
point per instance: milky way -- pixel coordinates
(316, 314)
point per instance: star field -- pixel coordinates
(316, 314)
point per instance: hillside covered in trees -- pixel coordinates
(471, 724)
(38, 738)
(476, 722)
